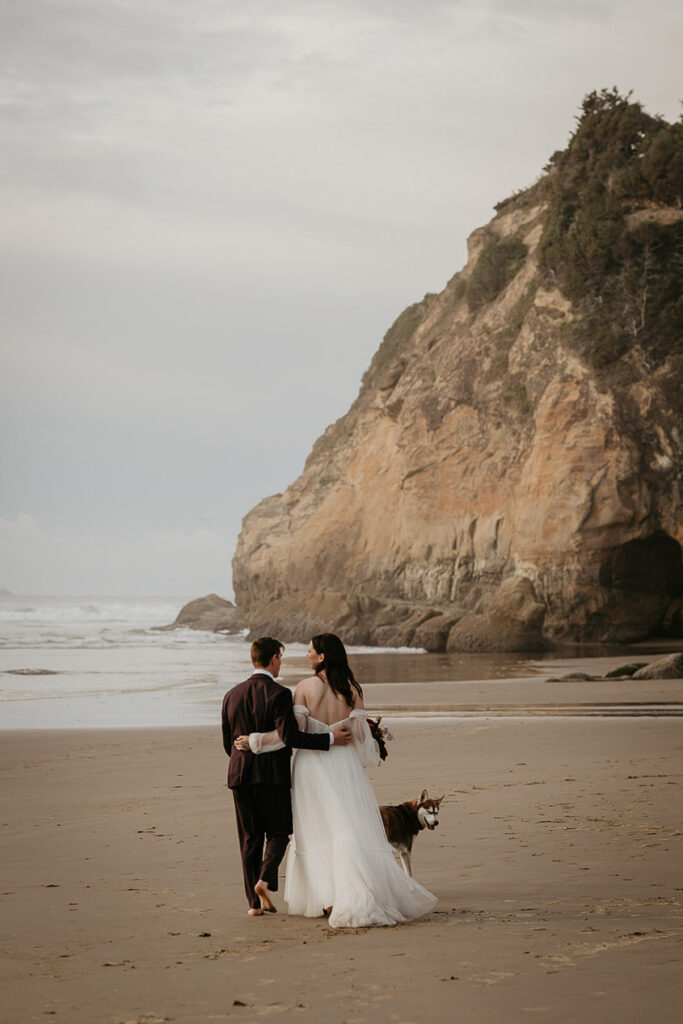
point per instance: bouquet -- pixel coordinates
(380, 735)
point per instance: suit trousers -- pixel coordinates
(264, 814)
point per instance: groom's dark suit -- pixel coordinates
(261, 785)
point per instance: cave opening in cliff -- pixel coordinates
(651, 565)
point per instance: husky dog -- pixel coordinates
(402, 822)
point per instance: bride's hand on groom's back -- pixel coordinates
(242, 743)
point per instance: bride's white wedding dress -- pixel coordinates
(339, 855)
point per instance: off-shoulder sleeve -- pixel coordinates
(288, 727)
(366, 748)
(301, 714)
(265, 742)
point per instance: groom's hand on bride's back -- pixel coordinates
(342, 735)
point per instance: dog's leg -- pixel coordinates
(405, 862)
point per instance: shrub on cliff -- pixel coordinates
(625, 280)
(396, 340)
(499, 261)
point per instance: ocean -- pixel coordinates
(99, 662)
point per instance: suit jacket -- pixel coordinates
(260, 704)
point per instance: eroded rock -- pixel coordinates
(211, 613)
(513, 621)
(574, 677)
(625, 671)
(670, 667)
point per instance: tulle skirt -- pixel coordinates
(339, 855)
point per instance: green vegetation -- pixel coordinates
(396, 339)
(624, 278)
(498, 262)
(523, 197)
(503, 339)
(514, 393)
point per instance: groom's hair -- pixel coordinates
(264, 649)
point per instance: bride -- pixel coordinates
(339, 863)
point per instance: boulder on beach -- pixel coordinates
(625, 671)
(573, 677)
(670, 667)
(211, 613)
(512, 622)
(432, 634)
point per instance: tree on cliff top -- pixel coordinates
(624, 277)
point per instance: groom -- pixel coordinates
(261, 785)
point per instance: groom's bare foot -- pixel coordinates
(263, 893)
(255, 912)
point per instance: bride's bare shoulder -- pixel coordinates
(309, 682)
(306, 688)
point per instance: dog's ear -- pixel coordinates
(438, 802)
(422, 797)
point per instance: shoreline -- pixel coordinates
(197, 704)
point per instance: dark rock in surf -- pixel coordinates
(211, 613)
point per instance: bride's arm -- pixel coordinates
(268, 742)
(264, 742)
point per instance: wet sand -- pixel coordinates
(557, 865)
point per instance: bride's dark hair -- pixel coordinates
(336, 666)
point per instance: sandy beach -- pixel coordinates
(557, 865)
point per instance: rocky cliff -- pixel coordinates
(510, 471)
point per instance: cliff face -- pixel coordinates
(495, 485)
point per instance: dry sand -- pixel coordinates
(557, 866)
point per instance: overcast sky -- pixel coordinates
(213, 210)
